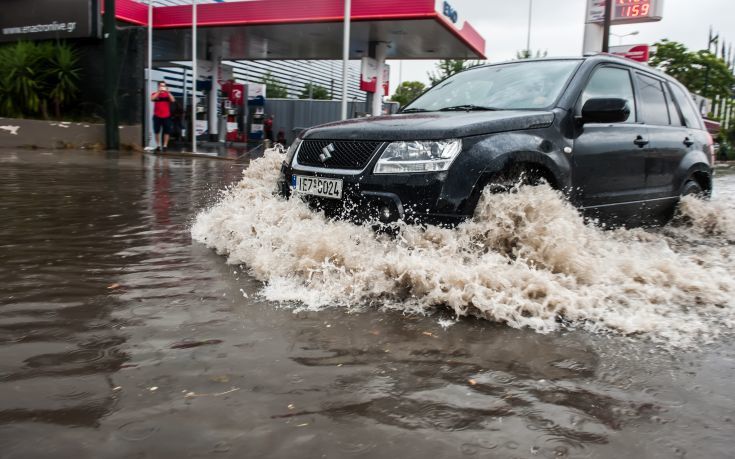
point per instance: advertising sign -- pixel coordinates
(369, 75)
(638, 53)
(625, 11)
(235, 92)
(49, 19)
(595, 10)
(256, 91)
(448, 12)
(201, 127)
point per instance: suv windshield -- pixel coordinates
(516, 85)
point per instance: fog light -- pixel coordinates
(386, 213)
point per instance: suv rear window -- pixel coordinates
(685, 104)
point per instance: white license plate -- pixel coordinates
(317, 186)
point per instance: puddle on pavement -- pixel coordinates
(122, 337)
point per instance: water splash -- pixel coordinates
(526, 259)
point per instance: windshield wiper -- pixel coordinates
(414, 110)
(467, 108)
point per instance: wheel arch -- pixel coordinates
(513, 164)
(695, 166)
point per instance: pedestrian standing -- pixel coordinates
(268, 128)
(162, 115)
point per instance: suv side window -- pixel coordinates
(674, 113)
(610, 82)
(652, 101)
(685, 105)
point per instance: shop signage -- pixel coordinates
(48, 19)
(639, 53)
(369, 75)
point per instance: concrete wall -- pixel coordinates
(16, 133)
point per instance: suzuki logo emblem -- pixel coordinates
(326, 153)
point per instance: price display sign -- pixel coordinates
(626, 11)
(630, 9)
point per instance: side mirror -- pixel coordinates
(605, 110)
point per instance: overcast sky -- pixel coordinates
(557, 27)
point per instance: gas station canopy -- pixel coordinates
(308, 29)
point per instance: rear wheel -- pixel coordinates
(691, 187)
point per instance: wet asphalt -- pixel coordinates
(120, 337)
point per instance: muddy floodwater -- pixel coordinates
(143, 314)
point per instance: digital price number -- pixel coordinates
(630, 9)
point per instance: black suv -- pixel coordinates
(621, 140)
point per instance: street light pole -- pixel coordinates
(528, 36)
(620, 37)
(193, 76)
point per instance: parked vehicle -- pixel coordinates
(622, 141)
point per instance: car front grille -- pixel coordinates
(345, 154)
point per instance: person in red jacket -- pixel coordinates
(162, 115)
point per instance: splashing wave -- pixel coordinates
(526, 259)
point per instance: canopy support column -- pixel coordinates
(381, 49)
(345, 56)
(193, 76)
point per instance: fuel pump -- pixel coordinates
(256, 111)
(234, 111)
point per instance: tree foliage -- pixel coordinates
(448, 67)
(700, 71)
(62, 76)
(528, 54)
(408, 91)
(34, 75)
(274, 88)
(317, 92)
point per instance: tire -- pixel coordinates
(691, 187)
(513, 178)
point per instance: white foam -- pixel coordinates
(526, 259)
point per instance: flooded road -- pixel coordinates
(120, 336)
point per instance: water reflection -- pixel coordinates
(119, 337)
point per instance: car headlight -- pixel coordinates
(418, 156)
(292, 151)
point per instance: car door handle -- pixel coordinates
(688, 142)
(640, 141)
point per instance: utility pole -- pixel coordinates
(606, 27)
(112, 132)
(528, 35)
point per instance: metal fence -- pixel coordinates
(290, 114)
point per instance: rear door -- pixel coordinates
(609, 158)
(668, 136)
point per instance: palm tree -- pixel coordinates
(20, 84)
(62, 76)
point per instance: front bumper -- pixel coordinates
(414, 198)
